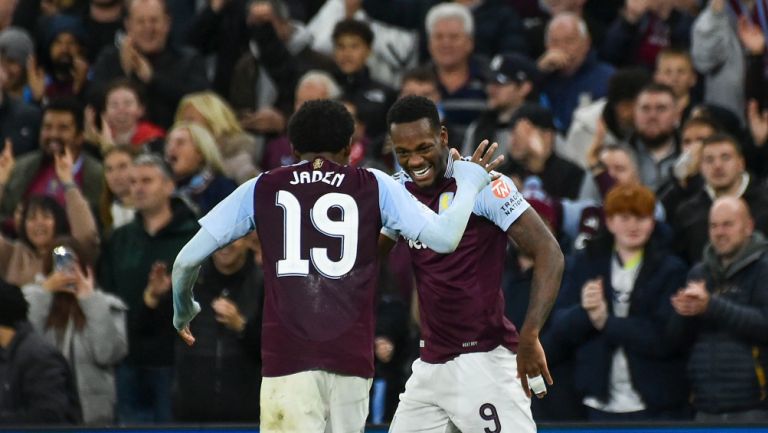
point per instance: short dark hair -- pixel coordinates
(626, 84)
(67, 104)
(703, 120)
(423, 74)
(675, 52)
(125, 83)
(721, 137)
(541, 117)
(413, 108)
(46, 204)
(353, 27)
(321, 125)
(658, 88)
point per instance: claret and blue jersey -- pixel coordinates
(319, 224)
(460, 298)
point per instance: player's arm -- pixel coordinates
(533, 238)
(231, 219)
(403, 214)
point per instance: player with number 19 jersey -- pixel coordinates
(318, 223)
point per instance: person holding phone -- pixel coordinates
(88, 326)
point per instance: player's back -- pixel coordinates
(318, 223)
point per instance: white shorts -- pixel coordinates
(475, 392)
(314, 402)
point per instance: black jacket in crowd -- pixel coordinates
(176, 72)
(36, 384)
(657, 370)
(691, 220)
(219, 378)
(729, 341)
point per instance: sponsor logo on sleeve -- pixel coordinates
(500, 188)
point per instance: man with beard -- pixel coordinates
(723, 170)
(40, 172)
(655, 140)
(65, 71)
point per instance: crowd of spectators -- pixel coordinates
(637, 129)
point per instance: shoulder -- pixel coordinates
(29, 159)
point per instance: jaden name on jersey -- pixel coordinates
(329, 177)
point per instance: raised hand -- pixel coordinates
(61, 282)
(7, 162)
(751, 36)
(482, 157)
(159, 281)
(758, 123)
(63, 163)
(553, 60)
(127, 55)
(593, 302)
(80, 73)
(84, 282)
(35, 79)
(228, 314)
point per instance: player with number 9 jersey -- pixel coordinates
(319, 222)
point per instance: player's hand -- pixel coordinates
(532, 362)
(482, 156)
(186, 335)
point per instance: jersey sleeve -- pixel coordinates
(501, 203)
(401, 212)
(233, 217)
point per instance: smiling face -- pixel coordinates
(123, 109)
(421, 150)
(59, 130)
(449, 43)
(40, 226)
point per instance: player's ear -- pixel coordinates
(444, 136)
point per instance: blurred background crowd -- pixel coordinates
(637, 129)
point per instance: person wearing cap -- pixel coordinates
(19, 121)
(16, 45)
(531, 152)
(63, 71)
(613, 316)
(36, 384)
(512, 82)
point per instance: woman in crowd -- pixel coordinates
(197, 167)
(239, 150)
(122, 122)
(85, 324)
(42, 220)
(115, 206)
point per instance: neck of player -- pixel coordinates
(341, 158)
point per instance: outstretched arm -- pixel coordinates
(183, 277)
(534, 239)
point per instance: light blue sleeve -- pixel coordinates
(501, 203)
(401, 212)
(184, 274)
(233, 217)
